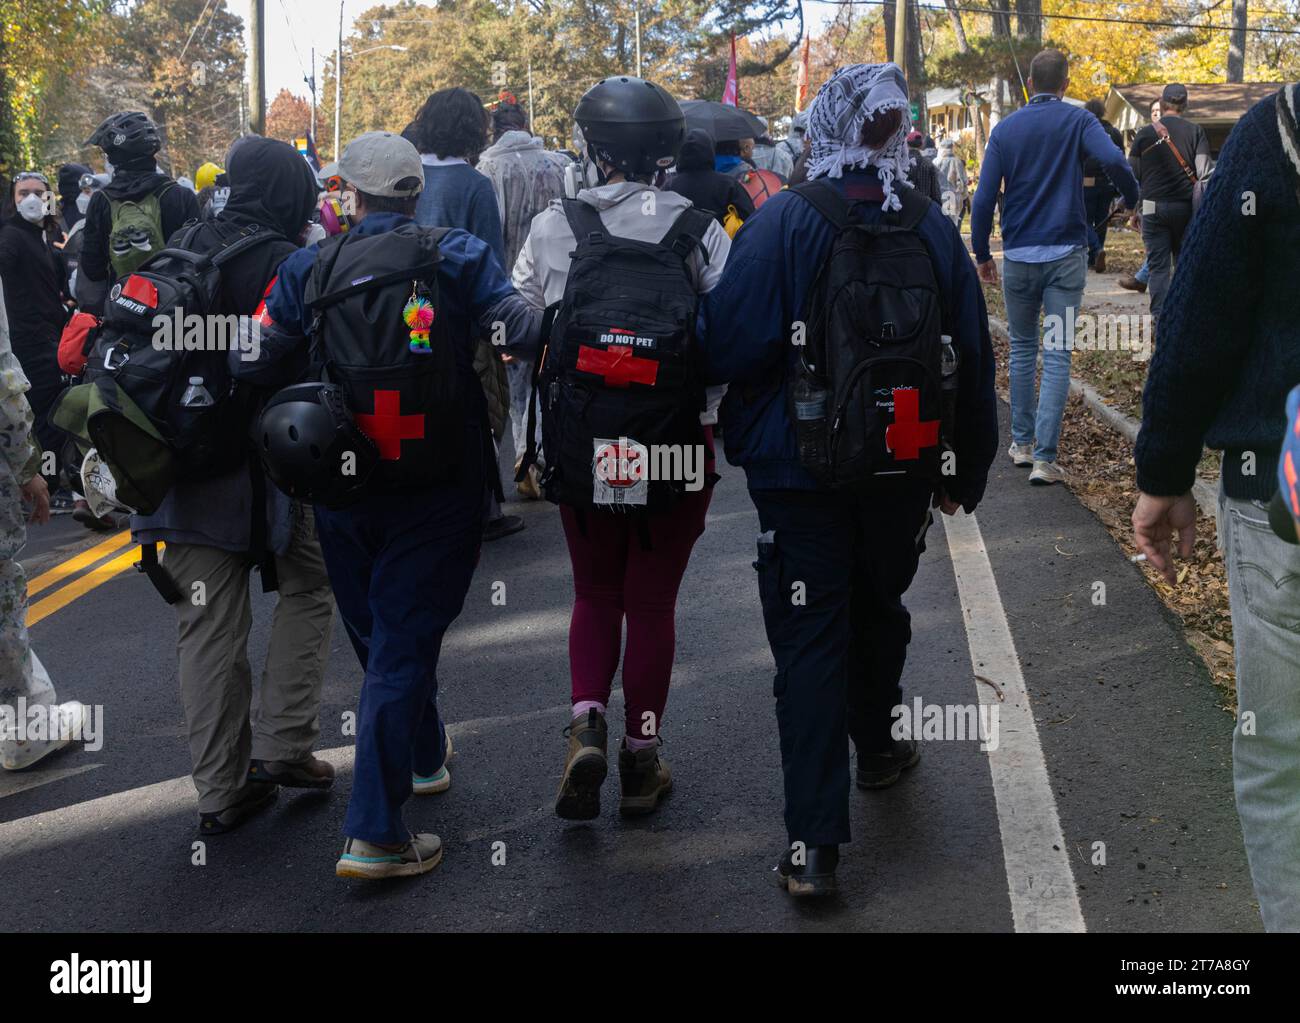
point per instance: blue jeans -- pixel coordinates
(1030, 289)
(1264, 594)
(1144, 271)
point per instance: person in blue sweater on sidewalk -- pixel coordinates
(839, 655)
(1038, 154)
(1228, 352)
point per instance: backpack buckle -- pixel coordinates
(108, 358)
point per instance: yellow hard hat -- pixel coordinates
(207, 175)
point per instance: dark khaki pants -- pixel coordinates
(215, 676)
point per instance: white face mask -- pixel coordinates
(83, 203)
(32, 209)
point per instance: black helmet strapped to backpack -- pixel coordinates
(631, 124)
(130, 132)
(311, 446)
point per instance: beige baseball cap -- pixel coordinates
(379, 161)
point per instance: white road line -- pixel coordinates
(1039, 878)
(11, 783)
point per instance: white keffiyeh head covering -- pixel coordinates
(853, 95)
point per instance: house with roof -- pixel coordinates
(1215, 106)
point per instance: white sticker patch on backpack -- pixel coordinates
(619, 472)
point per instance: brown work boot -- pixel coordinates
(312, 773)
(585, 768)
(1099, 264)
(645, 779)
(1131, 283)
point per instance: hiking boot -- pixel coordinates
(373, 862)
(1099, 264)
(62, 502)
(814, 876)
(311, 773)
(880, 770)
(584, 768)
(1131, 283)
(1021, 454)
(67, 723)
(644, 778)
(503, 526)
(528, 487)
(101, 524)
(258, 795)
(1047, 473)
(440, 781)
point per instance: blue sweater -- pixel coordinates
(1039, 152)
(459, 196)
(745, 325)
(1228, 340)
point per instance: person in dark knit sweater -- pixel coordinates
(1227, 352)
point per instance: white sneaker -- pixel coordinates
(1047, 473)
(1022, 455)
(69, 719)
(438, 782)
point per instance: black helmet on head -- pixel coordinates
(632, 125)
(130, 133)
(312, 447)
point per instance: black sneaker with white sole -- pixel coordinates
(814, 875)
(880, 770)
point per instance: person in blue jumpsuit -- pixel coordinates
(400, 566)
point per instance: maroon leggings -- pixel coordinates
(614, 577)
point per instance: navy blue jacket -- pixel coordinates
(1228, 340)
(473, 291)
(746, 326)
(1039, 151)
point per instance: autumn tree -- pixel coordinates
(289, 117)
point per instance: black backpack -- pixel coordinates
(620, 375)
(868, 397)
(149, 364)
(400, 382)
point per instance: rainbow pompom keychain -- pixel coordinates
(418, 315)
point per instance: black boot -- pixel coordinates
(880, 770)
(815, 875)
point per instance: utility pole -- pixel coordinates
(638, 40)
(311, 84)
(338, 82)
(530, 93)
(900, 37)
(257, 86)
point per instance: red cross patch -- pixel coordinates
(388, 427)
(907, 434)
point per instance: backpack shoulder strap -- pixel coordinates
(241, 243)
(686, 234)
(584, 221)
(915, 207)
(826, 199)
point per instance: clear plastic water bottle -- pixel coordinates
(196, 395)
(810, 405)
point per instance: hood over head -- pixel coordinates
(271, 185)
(697, 151)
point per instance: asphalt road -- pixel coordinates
(1137, 757)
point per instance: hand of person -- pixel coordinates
(944, 503)
(37, 494)
(507, 357)
(1154, 522)
(1135, 220)
(988, 271)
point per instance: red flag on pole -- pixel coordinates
(801, 84)
(731, 91)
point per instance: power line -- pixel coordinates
(185, 48)
(1132, 22)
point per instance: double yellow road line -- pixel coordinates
(82, 583)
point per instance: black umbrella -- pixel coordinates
(724, 123)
